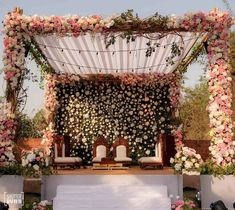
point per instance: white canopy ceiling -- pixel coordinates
(87, 54)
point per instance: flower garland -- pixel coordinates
(18, 27)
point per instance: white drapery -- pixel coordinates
(87, 54)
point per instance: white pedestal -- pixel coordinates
(213, 189)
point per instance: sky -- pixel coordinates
(144, 8)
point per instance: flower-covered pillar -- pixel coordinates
(13, 57)
(216, 24)
(13, 61)
(222, 145)
(51, 104)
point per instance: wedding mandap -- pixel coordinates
(112, 94)
(112, 86)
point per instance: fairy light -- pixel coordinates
(108, 51)
(149, 68)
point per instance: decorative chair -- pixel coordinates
(100, 149)
(61, 158)
(121, 151)
(155, 161)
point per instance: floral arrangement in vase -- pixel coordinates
(187, 161)
(35, 163)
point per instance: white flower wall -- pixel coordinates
(136, 112)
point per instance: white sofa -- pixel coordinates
(63, 160)
(154, 161)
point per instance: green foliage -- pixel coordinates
(25, 126)
(210, 168)
(30, 172)
(12, 169)
(39, 120)
(193, 111)
(30, 205)
(27, 206)
(31, 128)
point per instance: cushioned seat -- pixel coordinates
(100, 149)
(121, 148)
(154, 161)
(63, 160)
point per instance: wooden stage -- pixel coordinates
(134, 170)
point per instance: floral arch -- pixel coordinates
(19, 30)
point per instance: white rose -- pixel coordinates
(36, 167)
(177, 167)
(177, 155)
(30, 157)
(196, 165)
(172, 160)
(183, 158)
(198, 156)
(147, 152)
(3, 157)
(193, 160)
(188, 164)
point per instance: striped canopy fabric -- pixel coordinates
(88, 54)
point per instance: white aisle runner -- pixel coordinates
(111, 197)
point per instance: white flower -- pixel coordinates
(193, 160)
(140, 127)
(36, 167)
(172, 160)
(30, 157)
(3, 157)
(196, 165)
(183, 158)
(45, 203)
(147, 152)
(177, 167)
(198, 156)
(162, 119)
(188, 164)
(177, 155)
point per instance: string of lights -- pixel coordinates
(63, 63)
(107, 51)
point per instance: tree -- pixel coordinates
(31, 128)
(193, 111)
(39, 120)
(25, 126)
